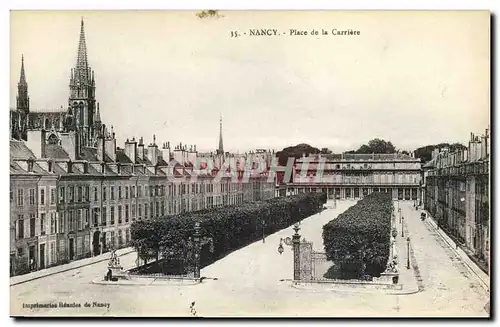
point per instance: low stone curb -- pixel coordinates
(150, 281)
(382, 291)
(64, 269)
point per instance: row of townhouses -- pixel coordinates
(457, 194)
(75, 194)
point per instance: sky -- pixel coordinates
(412, 78)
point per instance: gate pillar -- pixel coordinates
(296, 252)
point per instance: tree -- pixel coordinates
(325, 151)
(295, 152)
(375, 146)
(425, 152)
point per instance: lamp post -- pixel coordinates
(408, 253)
(296, 252)
(402, 227)
(196, 244)
(263, 231)
(399, 212)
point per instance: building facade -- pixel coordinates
(74, 193)
(353, 176)
(457, 189)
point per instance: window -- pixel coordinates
(20, 226)
(145, 210)
(152, 209)
(61, 222)
(119, 192)
(87, 194)
(42, 224)
(112, 218)
(52, 195)
(80, 191)
(71, 195)
(42, 196)
(112, 192)
(80, 219)
(20, 252)
(126, 213)
(132, 195)
(86, 214)
(95, 217)
(32, 225)
(20, 197)
(11, 195)
(162, 208)
(52, 223)
(103, 217)
(119, 214)
(133, 212)
(126, 192)
(139, 191)
(61, 194)
(157, 209)
(139, 211)
(104, 193)
(95, 193)
(32, 196)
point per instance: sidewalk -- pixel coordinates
(66, 267)
(471, 265)
(409, 278)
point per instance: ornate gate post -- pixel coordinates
(296, 252)
(196, 245)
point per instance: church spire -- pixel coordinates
(220, 150)
(22, 90)
(22, 80)
(81, 62)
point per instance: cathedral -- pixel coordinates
(81, 118)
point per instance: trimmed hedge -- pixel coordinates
(361, 235)
(230, 227)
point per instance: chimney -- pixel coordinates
(36, 143)
(69, 142)
(131, 149)
(110, 147)
(153, 154)
(140, 149)
(165, 151)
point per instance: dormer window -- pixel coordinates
(30, 165)
(50, 168)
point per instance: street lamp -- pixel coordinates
(402, 227)
(408, 252)
(399, 212)
(263, 234)
(196, 241)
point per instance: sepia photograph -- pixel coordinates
(249, 164)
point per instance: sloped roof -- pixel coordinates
(55, 151)
(19, 150)
(89, 154)
(121, 157)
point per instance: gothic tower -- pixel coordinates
(82, 95)
(22, 105)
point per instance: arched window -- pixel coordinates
(53, 139)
